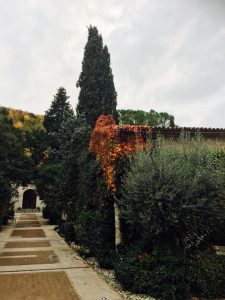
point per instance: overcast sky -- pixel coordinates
(166, 55)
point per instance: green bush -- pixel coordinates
(160, 274)
(175, 194)
(97, 233)
(207, 276)
(173, 197)
(52, 214)
(170, 275)
(45, 212)
(11, 212)
(218, 236)
(67, 230)
(4, 216)
(54, 217)
(5, 220)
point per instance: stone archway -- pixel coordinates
(29, 199)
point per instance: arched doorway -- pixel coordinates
(29, 199)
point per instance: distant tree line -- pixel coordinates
(140, 117)
(27, 122)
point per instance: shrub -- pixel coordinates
(68, 231)
(206, 276)
(218, 236)
(46, 212)
(11, 212)
(167, 274)
(97, 233)
(4, 216)
(173, 197)
(175, 194)
(52, 214)
(161, 274)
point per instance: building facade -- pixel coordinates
(28, 199)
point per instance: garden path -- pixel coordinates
(37, 264)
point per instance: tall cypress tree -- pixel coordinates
(97, 91)
(109, 92)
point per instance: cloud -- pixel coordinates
(166, 55)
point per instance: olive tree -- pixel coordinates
(176, 193)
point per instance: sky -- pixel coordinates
(166, 55)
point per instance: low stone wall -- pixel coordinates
(208, 133)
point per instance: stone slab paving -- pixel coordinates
(28, 233)
(32, 244)
(85, 282)
(38, 286)
(15, 258)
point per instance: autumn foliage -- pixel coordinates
(25, 121)
(111, 142)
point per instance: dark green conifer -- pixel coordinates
(16, 168)
(109, 93)
(58, 112)
(97, 92)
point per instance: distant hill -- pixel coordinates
(23, 120)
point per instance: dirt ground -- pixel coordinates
(27, 258)
(37, 286)
(27, 244)
(29, 233)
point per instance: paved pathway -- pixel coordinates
(36, 264)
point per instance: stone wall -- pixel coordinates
(208, 133)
